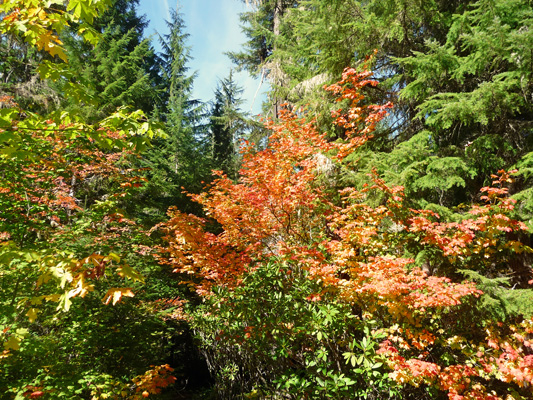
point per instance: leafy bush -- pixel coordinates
(277, 336)
(301, 268)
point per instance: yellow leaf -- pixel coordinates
(32, 12)
(64, 302)
(43, 279)
(22, 332)
(114, 257)
(50, 43)
(37, 300)
(32, 314)
(53, 297)
(81, 289)
(13, 343)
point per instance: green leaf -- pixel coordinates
(128, 272)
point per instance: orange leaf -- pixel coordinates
(116, 294)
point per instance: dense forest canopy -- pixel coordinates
(371, 238)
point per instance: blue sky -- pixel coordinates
(213, 26)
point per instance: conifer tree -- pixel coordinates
(459, 74)
(122, 70)
(182, 159)
(228, 125)
(263, 27)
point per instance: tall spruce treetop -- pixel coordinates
(123, 16)
(229, 125)
(182, 113)
(261, 26)
(174, 56)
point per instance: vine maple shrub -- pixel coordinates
(60, 232)
(287, 206)
(48, 166)
(63, 184)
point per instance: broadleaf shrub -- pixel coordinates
(311, 288)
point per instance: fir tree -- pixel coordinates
(263, 27)
(181, 160)
(459, 71)
(122, 70)
(229, 125)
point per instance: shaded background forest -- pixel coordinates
(99, 297)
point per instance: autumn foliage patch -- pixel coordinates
(408, 328)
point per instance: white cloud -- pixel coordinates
(167, 8)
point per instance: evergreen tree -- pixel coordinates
(263, 27)
(122, 70)
(473, 91)
(182, 159)
(460, 72)
(228, 125)
(321, 38)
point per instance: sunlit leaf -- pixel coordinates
(128, 272)
(32, 314)
(115, 294)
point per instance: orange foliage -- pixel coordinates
(279, 208)
(153, 381)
